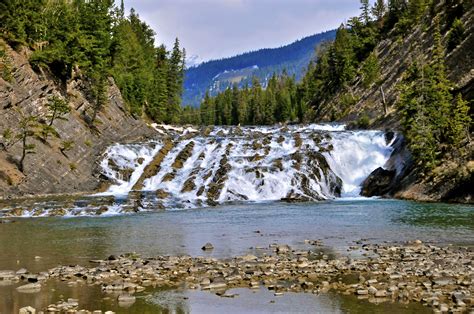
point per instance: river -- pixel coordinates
(233, 230)
(223, 186)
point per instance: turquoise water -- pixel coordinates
(232, 229)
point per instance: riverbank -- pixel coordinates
(438, 277)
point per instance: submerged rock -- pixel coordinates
(414, 272)
(29, 288)
(207, 247)
(126, 300)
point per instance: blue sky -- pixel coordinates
(220, 28)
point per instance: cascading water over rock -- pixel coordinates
(225, 164)
(188, 168)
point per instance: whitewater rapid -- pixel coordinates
(228, 164)
(191, 168)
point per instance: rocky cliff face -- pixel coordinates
(452, 181)
(49, 170)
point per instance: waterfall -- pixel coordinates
(124, 164)
(229, 164)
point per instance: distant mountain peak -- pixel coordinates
(217, 75)
(193, 61)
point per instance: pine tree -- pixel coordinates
(57, 108)
(341, 59)
(433, 124)
(379, 10)
(28, 129)
(207, 110)
(175, 83)
(236, 114)
(460, 122)
(156, 108)
(365, 7)
(370, 70)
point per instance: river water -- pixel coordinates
(233, 229)
(172, 185)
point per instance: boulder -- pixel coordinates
(378, 182)
(162, 194)
(27, 310)
(207, 247)
(102, 210)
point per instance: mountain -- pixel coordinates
(193, 61)
(217, 75)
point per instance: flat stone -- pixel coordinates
(7, 274)
(29, 288)
(205, 281)
(126, 298)
(443, 281)
(217, 285)
(443, 308)
(372, 290)
(362, 292)
(249, 258)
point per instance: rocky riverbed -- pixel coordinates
(439, 277)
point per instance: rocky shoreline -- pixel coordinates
(439, 277)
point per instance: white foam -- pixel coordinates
(252, 173)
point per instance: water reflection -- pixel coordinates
(439, 215)
(190, 301)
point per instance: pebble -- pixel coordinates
(416, 272)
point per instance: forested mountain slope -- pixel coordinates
(64, 162)
(75, 77)
(217, 75)
(359, 100)
(422, 86)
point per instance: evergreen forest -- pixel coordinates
(95, 40)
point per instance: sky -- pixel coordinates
(213, 29)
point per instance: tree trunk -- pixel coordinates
(23, 155)
(52, 118)
(383, 101)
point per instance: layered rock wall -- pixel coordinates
(49, 170)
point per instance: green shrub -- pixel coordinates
(456, 34)
(5, 65)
